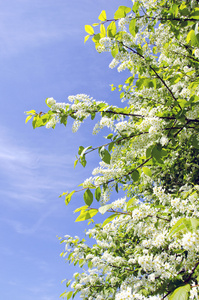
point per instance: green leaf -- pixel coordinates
(135, 175)
(132, 27)
(183, 5)
(63, 295)
(90, 264)
(63, 194)
(102, 30)
(98, 193)
(33, 112)
(131, 202)
(68, 282)
(69, 295)
(156, 152)
(121, 12)
(28, 118)
(130, 80)
(174, 10)
(83, 160)
(102, 16)
(146, 82)
(192, 224)
(121, 95)
(35, 122)
(136, 6)
(177, 227)
(104, 155)
(105, 185)
(147, 171)
(109, 136)
(164, 152)
(84, 207)
(86, 38)
(185, 225)
(104, 208)
(81, 262)
(194, 141)
(64, 119)
(88, 197)
(68, 197)
(195, 13)
(180, 293)
(75, 162)
(86, 214)
(109, 219)
(81, 148)
(115, 50)
(111, 29)
(102, 107)
(113, 88)
(96, 38)
(110, 146)
(140, 82)
(148, 151)
(95, 24)
(192, 38)
(89, 29)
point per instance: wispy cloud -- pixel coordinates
(22, 24)
(28, 175)
(31, 182)
(27, 229)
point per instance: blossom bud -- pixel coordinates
(50, 101)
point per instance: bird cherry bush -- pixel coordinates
(148, 247)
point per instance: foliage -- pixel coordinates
(148, 247)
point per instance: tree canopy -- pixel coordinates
(148, 247)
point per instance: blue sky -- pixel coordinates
(42, 54)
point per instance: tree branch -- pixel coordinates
(160, 78)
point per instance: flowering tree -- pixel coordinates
(148, 247)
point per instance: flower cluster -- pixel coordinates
(138, 250)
